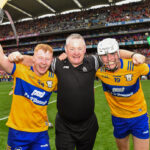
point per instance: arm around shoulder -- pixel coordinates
(18, 57)
(136, 57)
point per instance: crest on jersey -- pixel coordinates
(84, 69)
(128, 77)
(49, 83)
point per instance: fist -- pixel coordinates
(15, 56)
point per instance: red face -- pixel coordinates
(110, 60)
(42, 61)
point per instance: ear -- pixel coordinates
(85, 49)
(119, 53)
(33, 59)
(65, 48)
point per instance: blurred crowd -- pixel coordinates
(83, 19)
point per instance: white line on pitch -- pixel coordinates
(4, 118)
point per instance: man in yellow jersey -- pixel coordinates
(33, 86)
(121, 84)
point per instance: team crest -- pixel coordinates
(49, 83)
(84, 69)
(128, 77)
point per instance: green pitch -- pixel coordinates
(104, 140)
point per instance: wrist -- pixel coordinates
(133, 54)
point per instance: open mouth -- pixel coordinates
(111, 63)
(42, 68)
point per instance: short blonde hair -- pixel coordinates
(44, 47)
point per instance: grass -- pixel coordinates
(104, 140)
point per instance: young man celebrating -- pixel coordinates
(33, 86)
(121, 84)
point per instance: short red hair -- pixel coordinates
(44, 47)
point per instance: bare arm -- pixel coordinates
(137, 58)
(18, 57)
(4, 62)
(27, 60)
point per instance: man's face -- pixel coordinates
(75, 51)
(110, 60)
(42, 61)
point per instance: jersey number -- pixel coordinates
(117, 79)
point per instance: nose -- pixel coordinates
(110, 57)
(76, 51)
(43, 61)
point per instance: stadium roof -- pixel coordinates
(20, 9)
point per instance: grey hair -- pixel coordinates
(74, 36)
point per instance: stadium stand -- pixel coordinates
(128, 23)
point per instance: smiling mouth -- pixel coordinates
(111, 63)
(75, 57)
(42, 68)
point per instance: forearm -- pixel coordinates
(27, 60)
(136, 57)
(125, 54)
(5, 64)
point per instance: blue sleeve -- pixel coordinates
(149, 69)
(14, 68)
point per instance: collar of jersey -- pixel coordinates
(32, 68)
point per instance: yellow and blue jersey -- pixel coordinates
(30, 99)
(123, 89)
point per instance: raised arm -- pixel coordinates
(136, 57)
(5, 64)
(18, 57)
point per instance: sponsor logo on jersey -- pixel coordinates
(35, 100)
(118, 89)
(145, 132)
(123, 95)
(45, 145)
(38, 93)
(65, 67)
(18, 148)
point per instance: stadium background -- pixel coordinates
(128, 23)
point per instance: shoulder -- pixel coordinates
(94, 60)
(20, 67)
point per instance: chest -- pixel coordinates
(120, 78)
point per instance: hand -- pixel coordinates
(15, 56)
(138, 59)
(62, 56)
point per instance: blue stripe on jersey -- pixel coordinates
(130, 66)
(36, 95)
(121, 91)
(51, 74)
(14, 68)
(149, 69)
(121, 63)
